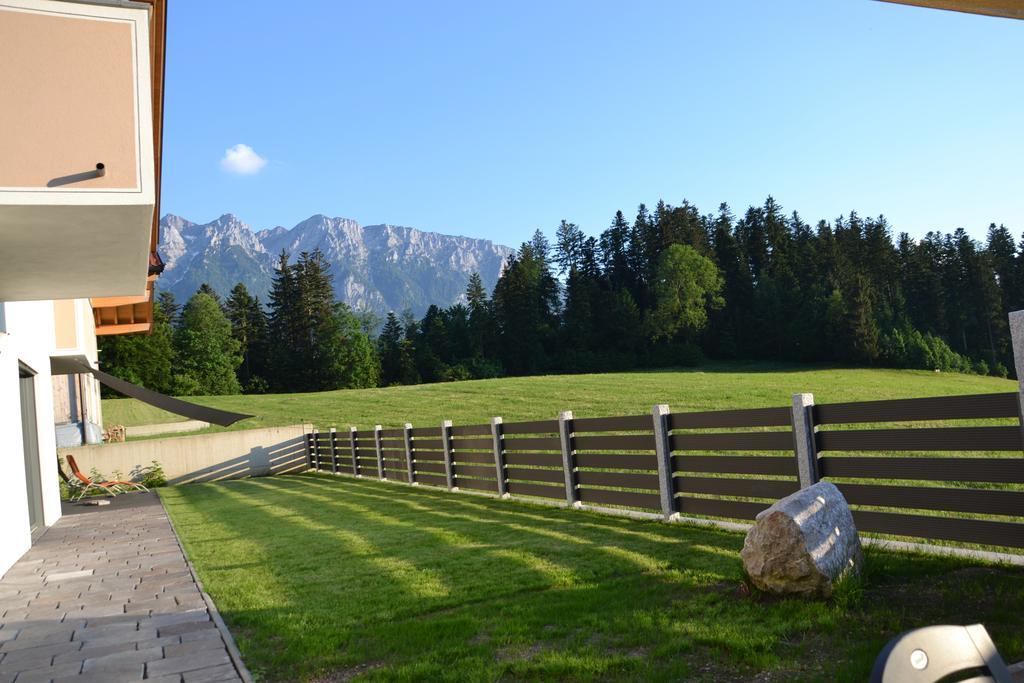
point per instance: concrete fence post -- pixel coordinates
(309, 449)
(352, 435)
(380, 453)
(334, 451)
(316, 450)
(498, 443)
(408, 453)
(565, 436)
(446, 444)
(804, 445)
(663, 450)
(1017, 335)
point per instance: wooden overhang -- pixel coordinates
(134, 314)
(1011, 9)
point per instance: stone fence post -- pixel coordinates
(498, 443)
(316, 450)
(408, 453)
(804, 445)
(446, 444)
(352, 435)
(565, 434)
(380, 454)
(334, 451)
(1017, 335)
(663, 450)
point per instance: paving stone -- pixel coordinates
(196, 603)
(35, 657)
(102, 610)
(16, 602)
(29, 631)
(203, 660)
(181, 629)
(159, 642)
(92, 622)
(191, 615)
(89, 651)
(24, 641)
(130, 637)
(193, 647)
(106, 631)
(224, 672)
(127, 662)
(46, 674)
(202, 634)
(44, 615)
(97, 677)
(93, 598)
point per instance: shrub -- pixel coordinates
(151, 476)
(483, 368)
(257, 385)
(456, 373)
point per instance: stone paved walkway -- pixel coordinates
(106, 595)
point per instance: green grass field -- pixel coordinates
(528, 398)
(324, 578)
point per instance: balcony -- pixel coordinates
(79, 154)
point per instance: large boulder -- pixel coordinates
(803, 544)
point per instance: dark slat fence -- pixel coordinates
(731, 464)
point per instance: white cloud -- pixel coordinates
(243, 160)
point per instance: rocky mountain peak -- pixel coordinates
(377, 267)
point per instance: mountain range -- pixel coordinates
(375, 267)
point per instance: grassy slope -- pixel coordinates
(325, 578)
(525, 398)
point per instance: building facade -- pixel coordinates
(80, 138)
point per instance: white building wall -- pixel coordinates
(26, 337)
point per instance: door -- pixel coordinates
(30, 441)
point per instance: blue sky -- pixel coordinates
(494, 119)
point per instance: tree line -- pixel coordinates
(301, 340)
(670, 287)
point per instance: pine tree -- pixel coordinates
(526, 309)
(205, 288)
(249, 328)
(615, 252)
(481, 334)
(863, 328)
(397, 354)
(285, 326)
(568, 246)
(1002, 251)
(168, 307)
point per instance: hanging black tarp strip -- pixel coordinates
(171, 405)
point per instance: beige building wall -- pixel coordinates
(77, 405)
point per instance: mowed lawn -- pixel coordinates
(530, 398)
(330, 578)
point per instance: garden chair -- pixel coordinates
(111, 488)
(932, 653)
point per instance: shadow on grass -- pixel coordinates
(333, 576)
